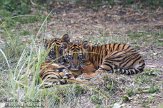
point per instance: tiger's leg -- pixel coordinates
(88, 71)
(111, 62)
(92, 74)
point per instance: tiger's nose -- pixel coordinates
(75, 67)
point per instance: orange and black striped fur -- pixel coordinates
(55, 48)
(53, 74)
(52, 71)
(112, 57)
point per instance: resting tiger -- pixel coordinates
(81, 55)
(112, 57)
(53, 74)
(55, 48)
(52, 71)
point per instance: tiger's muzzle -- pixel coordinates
(75, 61)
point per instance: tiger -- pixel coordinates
(52, 71)
(55, 48)
(54, 74)
(112, 57)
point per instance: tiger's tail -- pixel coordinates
(130, 71)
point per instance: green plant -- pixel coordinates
(5, 13)
(125, 98)
(13, 48)
(96, 99)
(151, 72)
(110, 84)
(152, 3)
(78, 90)
(23, 69)
(160, 105)
(17, 7)
(146, 77)
(130, 92)
(129, 1)
(25, 32)
(11, 22)
(153, 89)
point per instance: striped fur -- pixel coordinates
(52, 71)
(112, 57)
(55, 48)
(52, 74)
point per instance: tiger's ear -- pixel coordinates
(85, 44)
(65, 38)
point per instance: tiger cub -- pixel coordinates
(52, 71)
(55, 48)
(54, 74)
(111, 57)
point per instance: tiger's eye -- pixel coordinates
(80, 56)
(68, 58)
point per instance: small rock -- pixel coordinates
(117, 105)
(2, 105)
(161, 40)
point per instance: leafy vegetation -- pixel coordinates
(96, 99)
(99, 3)
(125, 98)
(24, 6)
(16, 7)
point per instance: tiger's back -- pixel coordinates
(96, 53)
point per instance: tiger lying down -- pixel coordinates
(74, 58)
(54, 74)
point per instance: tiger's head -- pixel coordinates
(76, 54)
(56, 47)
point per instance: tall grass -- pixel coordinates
(22, 71)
